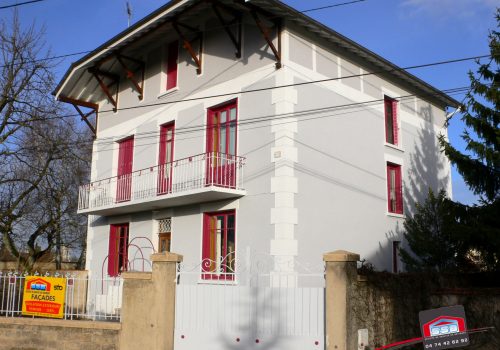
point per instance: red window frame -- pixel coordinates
(172, 64)
(222, 141)
(124, 172)
(391, 120)
(118, 249)
(219, 245)
(394, 189)
(165, 158)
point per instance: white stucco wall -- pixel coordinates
(315, 182)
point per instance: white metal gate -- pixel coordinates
(254, 308)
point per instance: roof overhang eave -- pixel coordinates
(155, 19)
(426, 90)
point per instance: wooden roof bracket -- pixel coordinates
(237, 19)
(138, 85)
(265, 33)
(85, 116)
(187, 44)
(115, 80)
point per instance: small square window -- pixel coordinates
(164, 234)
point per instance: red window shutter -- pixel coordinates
(125, 163)
(389, 209)
(395, 120)
(172, 57)
(399, 191)
(113, 252)
(123, 250)
(206, 263)
(125, 156)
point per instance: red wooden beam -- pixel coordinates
(85, 116)
(189, 48)
(97, 73)
(265, 33)
(131, 75)
(237, 19)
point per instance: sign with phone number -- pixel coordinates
(444, 328)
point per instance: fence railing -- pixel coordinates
(85, 298)
(187, 174)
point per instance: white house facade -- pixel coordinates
(227, 129)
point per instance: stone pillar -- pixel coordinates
(148, 306)
(341, 276)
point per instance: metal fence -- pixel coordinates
(85, 299)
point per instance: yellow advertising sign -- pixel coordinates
(44, 296)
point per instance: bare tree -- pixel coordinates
(41, 157)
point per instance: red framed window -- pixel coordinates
(219, 245)
(118, 249)
(172, 61)
(394, 188)
(221, 144)
(165, 158)
(391, 120)
(125, 163)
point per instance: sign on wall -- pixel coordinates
(444, 328)
(44, 296)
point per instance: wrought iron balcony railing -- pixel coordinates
(185, 175)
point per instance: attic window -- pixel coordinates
(171, 64)
(391, 120)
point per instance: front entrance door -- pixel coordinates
(221, 145)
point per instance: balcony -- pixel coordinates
(202, 178)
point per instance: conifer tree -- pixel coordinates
(480, 168)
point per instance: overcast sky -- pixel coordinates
(406, 32)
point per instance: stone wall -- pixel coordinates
(388, 305)
(46, 334)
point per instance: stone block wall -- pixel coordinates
(45, 334)
(388, 305)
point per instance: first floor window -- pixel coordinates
(164, 234)
(394, 188)
(118, 249)
(219, 245)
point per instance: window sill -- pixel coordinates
(168, 92)
(390, 145)
(396, 215)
